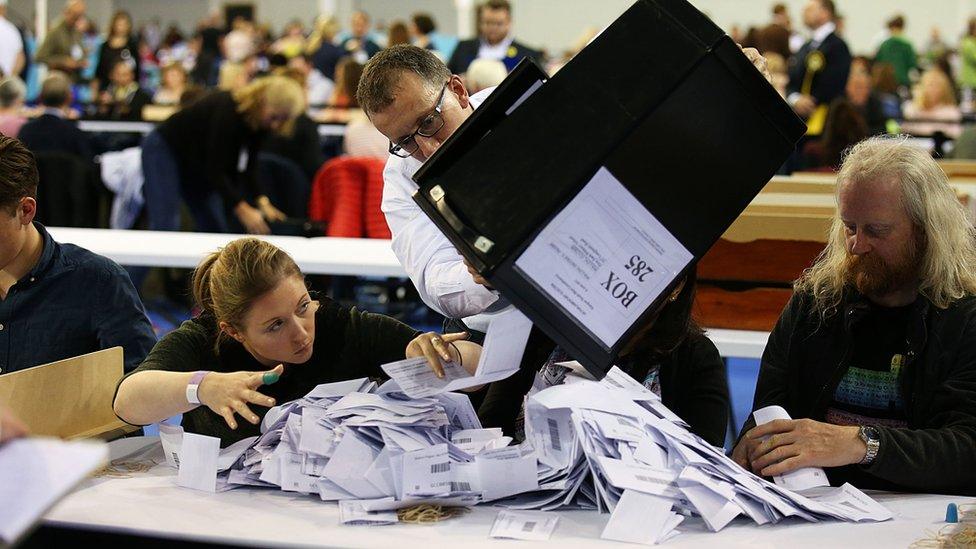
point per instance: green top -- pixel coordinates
(967, 51)
(900, 53)
(59, 46)
(348, 344)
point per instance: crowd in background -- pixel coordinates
(900, 87)
(131, 70)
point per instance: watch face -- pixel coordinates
(871, 433)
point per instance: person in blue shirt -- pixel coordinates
(57, 301)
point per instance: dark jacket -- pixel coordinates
(467, 51)
(49, 133)
(73, 302)
(694, 385)
(109, 56)
(829, 82)
(805, 360)
(348, 344)
(207, 139)
(692, 377)
(326, 58)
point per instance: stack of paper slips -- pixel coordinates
(352, 441)
(613, 445)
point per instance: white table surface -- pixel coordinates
(151, 504)
(118, 126)
(324, 255)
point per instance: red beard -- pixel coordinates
(873, 276)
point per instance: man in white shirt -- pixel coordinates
(414, 101)
(11, 45)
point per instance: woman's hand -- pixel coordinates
(227, 394)
(269, 211)
(437, 349)
(251, 218)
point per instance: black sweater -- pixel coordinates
(349, 344)
(207, 138)
(805, 359)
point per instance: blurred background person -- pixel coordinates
(934, 107)
(321, 46)
(898, 51)
(240, 42)
(233, 76)
(967, 57)
(12, 94)
(12, 55)
(494, 41)
(123, 99)
(844, 128)
(174, 81)
(62, 48)
(119, 45)
(866, 102)
(398, 34)
(292, 41)
(483, 74)
(359, 44)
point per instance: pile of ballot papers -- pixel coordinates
(377, 450)
(612, 445)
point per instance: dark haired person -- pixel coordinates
(669, 355)
(494, 41)
(819, 70)
(52, 131)
(261, 338)
(57, 300)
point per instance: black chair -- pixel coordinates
(68, 194)
(285, 183)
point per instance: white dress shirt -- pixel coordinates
(822, 32)
(433, 264)
(497, 52)
(10, 46)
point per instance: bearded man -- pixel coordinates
(874, 357)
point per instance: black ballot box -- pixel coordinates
(585, 198)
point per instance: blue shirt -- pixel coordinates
(71, 303)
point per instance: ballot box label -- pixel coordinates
(604, 258)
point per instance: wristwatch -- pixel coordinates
(872, 439)
(193, 387)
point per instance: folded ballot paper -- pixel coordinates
(610, 446)
(504, 345)
(613, 446)
(375, 450)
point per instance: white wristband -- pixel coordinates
(193, 387)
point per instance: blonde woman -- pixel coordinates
(262, 339)
(934, 107)
(174, 83)
(194, 156)
(232, 76)
(321, 46)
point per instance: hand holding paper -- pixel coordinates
(437, 349)
(505, 342)
(792, 451)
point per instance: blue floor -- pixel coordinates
(742, 373)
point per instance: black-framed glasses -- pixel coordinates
(428, 127)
